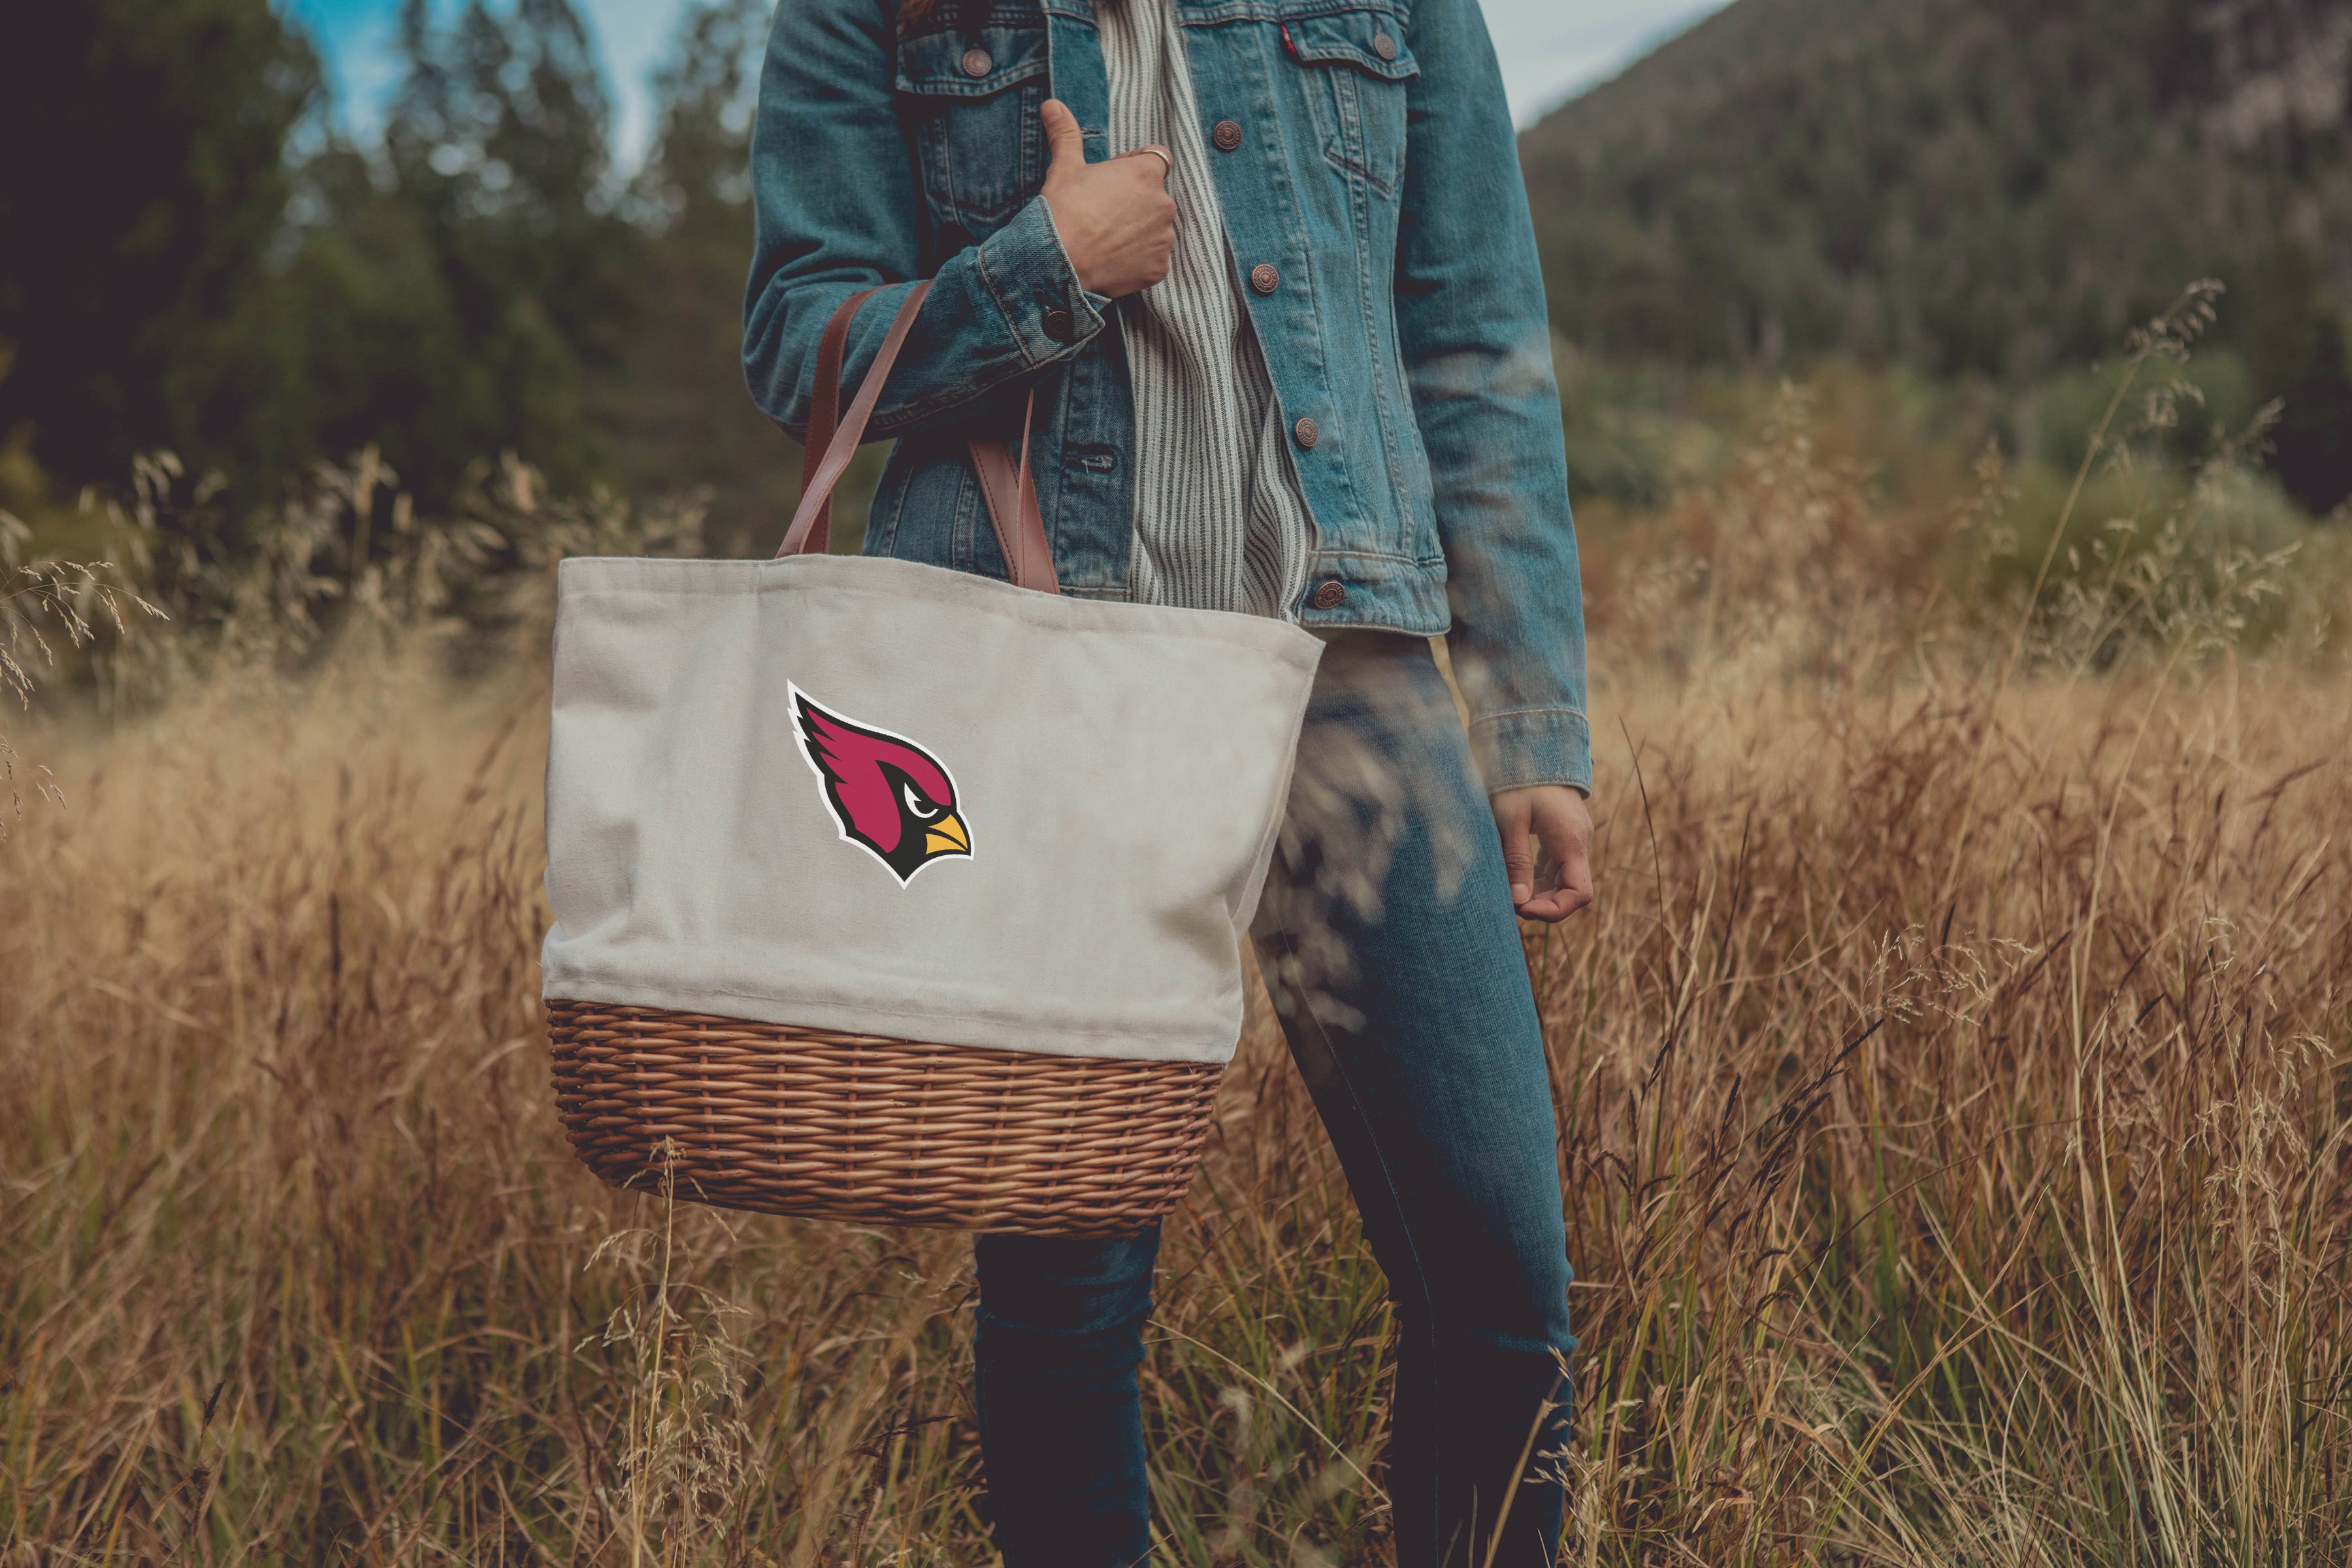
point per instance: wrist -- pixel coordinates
(1026, 269)
(1541, 787)
(1080, 262)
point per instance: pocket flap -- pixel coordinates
(960, 64)
(1371, 41)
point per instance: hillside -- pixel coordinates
(1996, 186)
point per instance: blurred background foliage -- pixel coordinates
(1975, 190)
(476, 279)
(1940, 213)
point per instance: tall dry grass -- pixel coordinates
(1952, 1085)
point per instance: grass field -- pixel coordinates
(1957, 1123)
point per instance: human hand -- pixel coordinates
(1557, 815)
(1117, 220)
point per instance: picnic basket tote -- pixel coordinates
(891, 894)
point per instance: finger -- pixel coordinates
(1519, 855)
(1574, 893)
(1551, 907)
(1159, 155)
(1571, 890)
(1568, 844)
(1065, 142)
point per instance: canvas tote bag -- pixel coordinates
(891, 893)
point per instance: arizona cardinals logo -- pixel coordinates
(889, 793)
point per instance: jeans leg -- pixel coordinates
(1061, 1420)
(1394, 958)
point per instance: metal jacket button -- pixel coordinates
(1307, 432)
(1330, 597)
(1059, 325)
(1382, 45)
(977, 62)
(1227, 135)
(1265, 279)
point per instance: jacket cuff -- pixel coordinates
(1533, 746)
(1047, 312)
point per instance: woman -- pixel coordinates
(1267, 265)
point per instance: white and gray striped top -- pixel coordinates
(1219, 522)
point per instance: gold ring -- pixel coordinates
(1168, 163)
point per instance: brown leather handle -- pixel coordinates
(1006, 484)
(825, 410)
(841, 446)
(1012, 493)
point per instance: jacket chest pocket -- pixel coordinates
(1356, 66)
(970, 103)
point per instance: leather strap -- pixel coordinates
(1011, 491)
(825, 410)
(1006, 484)
(817, 491)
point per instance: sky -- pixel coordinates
(1550, 48)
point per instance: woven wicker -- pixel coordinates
(853, 1127)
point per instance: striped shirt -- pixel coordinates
(1220, 522)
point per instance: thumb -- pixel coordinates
(1065, 143)
(1519, 855)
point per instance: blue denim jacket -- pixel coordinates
(1375, 172)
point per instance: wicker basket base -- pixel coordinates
(853, 1127)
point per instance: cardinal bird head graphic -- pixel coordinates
(888, 792)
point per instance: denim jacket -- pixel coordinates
(1370, 182)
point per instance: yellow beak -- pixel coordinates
(947, 836)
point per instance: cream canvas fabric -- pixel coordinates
(878, 796)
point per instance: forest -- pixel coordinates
(1979, 191)
(477, 278)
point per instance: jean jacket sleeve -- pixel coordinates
(1478, 352)
(837, 210)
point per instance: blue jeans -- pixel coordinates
(1388, 940)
